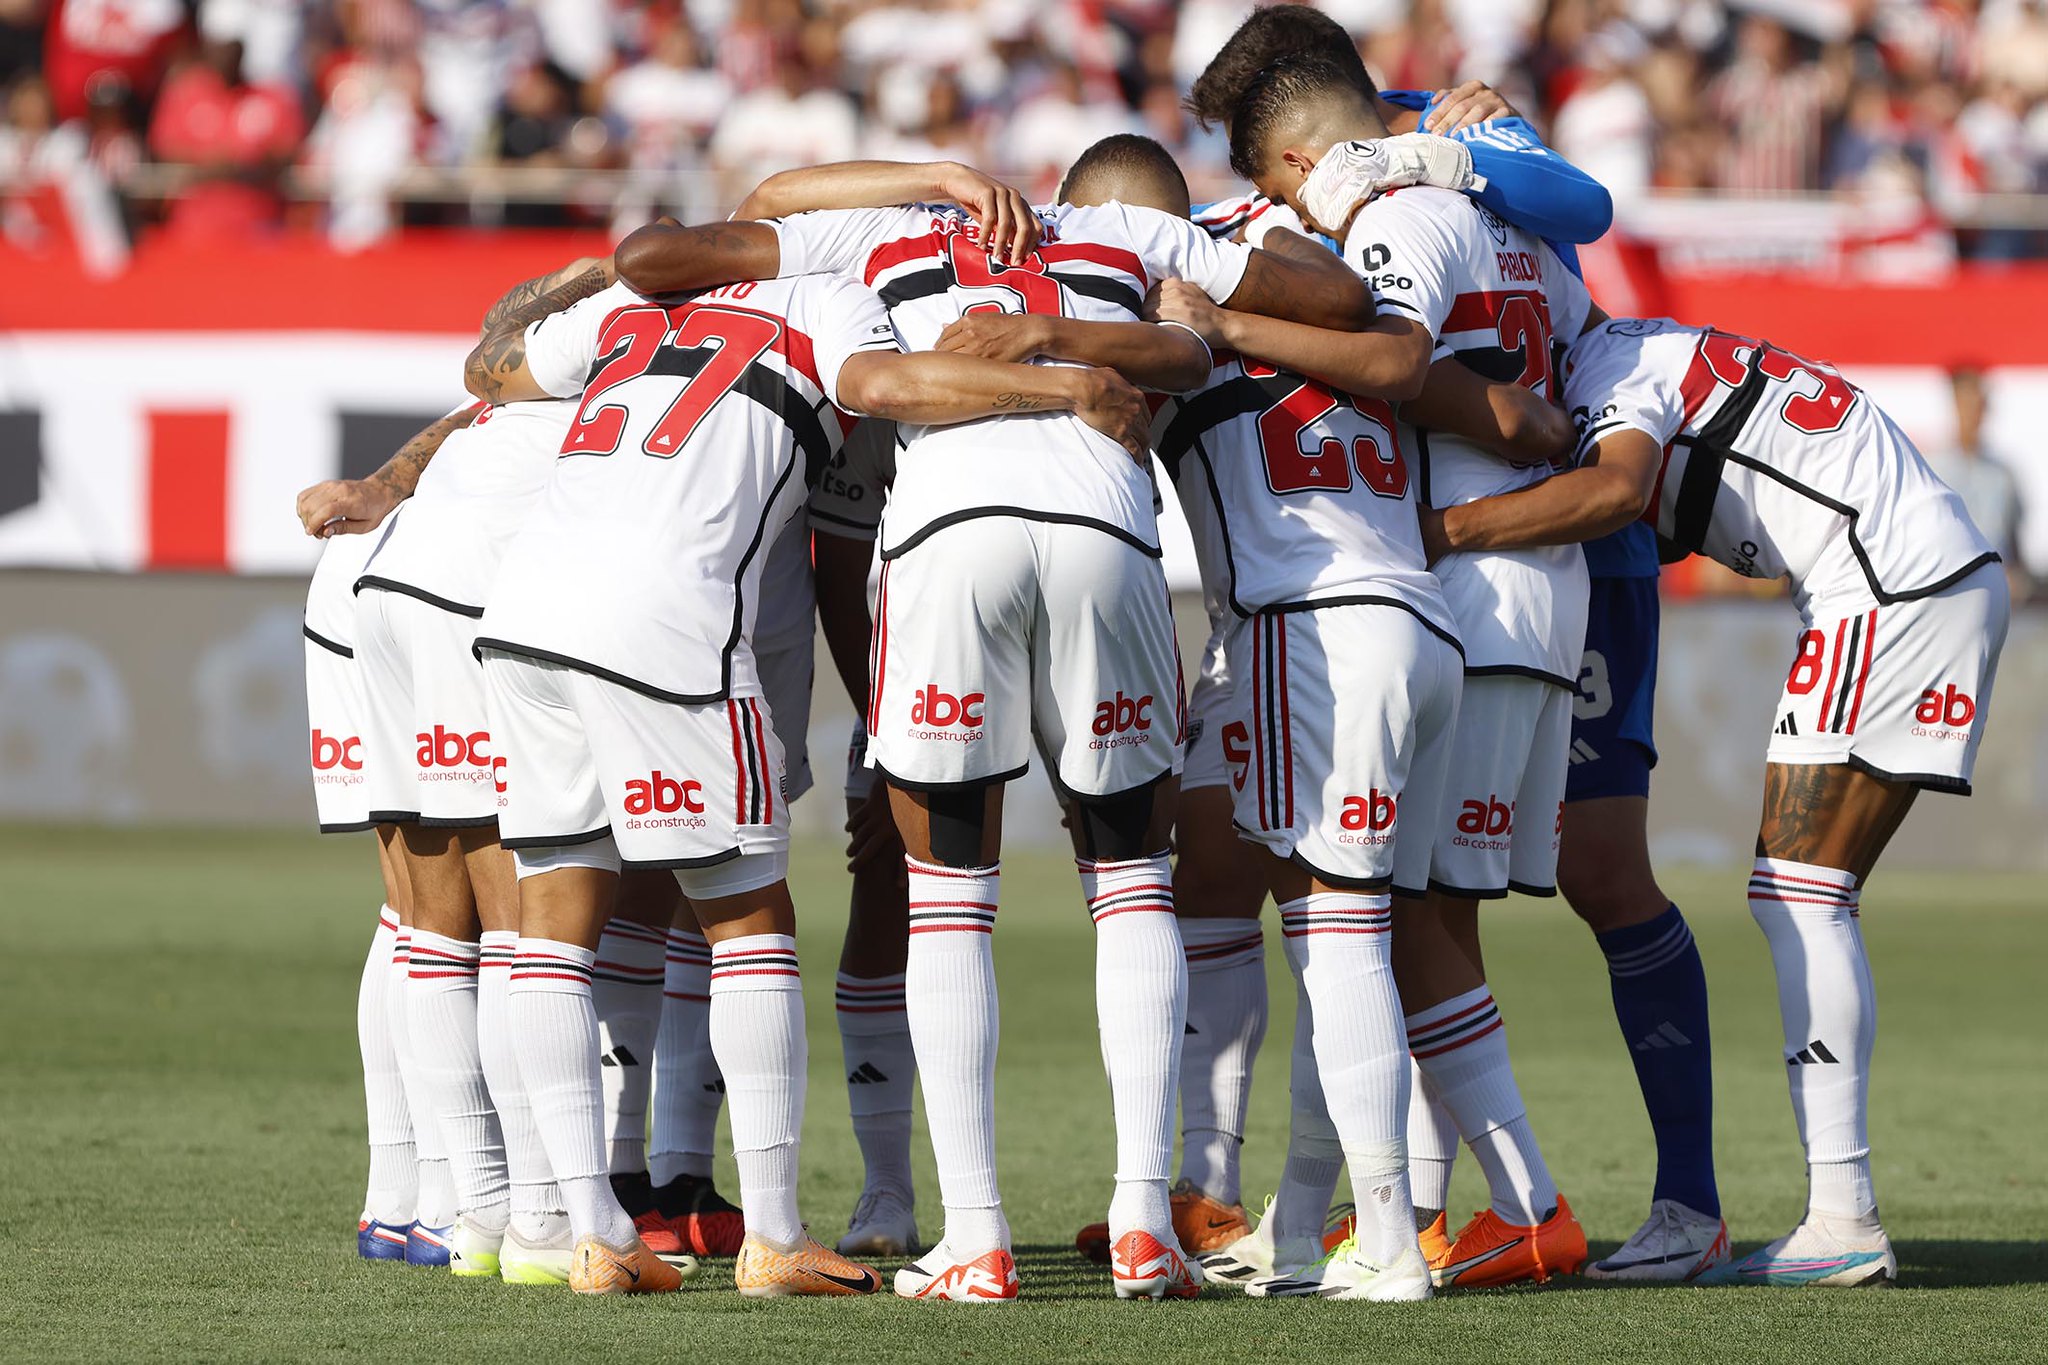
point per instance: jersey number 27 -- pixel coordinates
(710, 349)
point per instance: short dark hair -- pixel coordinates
(1129, 168)
(1272, 95)
(1264, 38)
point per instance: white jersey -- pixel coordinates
(1493, 295)
(1296, 495)
(1096, 264)
(444, 543)
(848, 501)
(1773, 464)
(703, 420)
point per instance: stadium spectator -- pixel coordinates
(84, 39)
(236, 137)
(1774, 107)
(1970, 465)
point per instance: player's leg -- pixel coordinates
(874, 1025)
(688, 1093)
(1656, 978)
(394, 1173)
(626, 992)
(558, 821)
(950, 723)
(1877, 705)
(1107, 702)
(1508, 757)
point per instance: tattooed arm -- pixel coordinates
(526, 291)
(496, 370)
(351, 507)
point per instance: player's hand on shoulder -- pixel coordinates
(1464, 105)
(995, 336)
(1009, 229)
(349, 507)
(1116, 408)
(1181, 302)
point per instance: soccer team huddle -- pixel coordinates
(560, 657)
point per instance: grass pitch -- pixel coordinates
(182, 1116)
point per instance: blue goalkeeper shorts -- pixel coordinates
(1613, 742)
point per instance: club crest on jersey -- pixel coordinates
(1493, 223)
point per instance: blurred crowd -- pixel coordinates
(203, 114)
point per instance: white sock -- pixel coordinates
(534, 1193)
(1827, 1000)
(1226, 1023)
(1432, 1143)
(556, 1025)
(950, 997)
(757, 1030)
(1463, 1050)
(1345, 942)
(1141, 1009)
(1308, 1182)
(394, 1174)
(881, 1072)
(687, 1087)
(626, 991)
(442, 1000)
(434, 1204)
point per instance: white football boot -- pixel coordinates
(1255, 1255)
(1345, 1274)
(884, 1223)
(1675, 1244)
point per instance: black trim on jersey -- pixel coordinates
(418, 594)
(915, 284)
(1373, 600)
(816, 515)
(971, 784)
(589, 836)
(1521, 671)
(1410, 893)
(451, 822)
(394, 817)
(1934, 782)
(1692, 512)
(1527, 890)
(1491, 362)
(1066, 795)
(756, 780)
(670, 864)
(1101, 290)
(1437, 888)
(349, 827)
(321, 640)
(507, 647)
(926, 531)
(937, 279)
(1422, 466)
(1401, 304)
(1213, 407)
(1373, 885)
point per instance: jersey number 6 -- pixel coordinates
(711, 349)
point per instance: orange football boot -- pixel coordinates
(988, 1278)
(808, 1268)
(1489, 1251)
(1436, 1238)
(1202, 1224)
(597, 1267)
(1143, 1267)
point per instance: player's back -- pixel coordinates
(448, 538)
(1774, 464)
(1295, 493)
(1094, 264)
(701, 424)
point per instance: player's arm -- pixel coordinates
(1515, 423)
(1008, 225)
(496, 370)
(526, 291)
(1533, 187)
(1389, 359)
(1314, 288)
(936, 389)
(1610, 489)
(1161, 356)
(840, 567)
(351, 507)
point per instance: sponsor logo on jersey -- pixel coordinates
(937, 714)
(1368, 819)
(659, 801)
(1486, 822)
(446, 755)
(1122, 720)
(331, 751)
(1944, 713)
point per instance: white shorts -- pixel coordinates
(1202, 760)
(428, 739)
(1899, 691)
(786, 678)
(991, 627)
(1348, 713)
(1504, 800)
(334, 689)
(674, 785)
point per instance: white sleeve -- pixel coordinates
(1570, 302)
(1175, 248)
(1613, 383)
(1407, 255)
(846, 318)
(561, 347)
(839, 241)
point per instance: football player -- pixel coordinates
(1777, 466)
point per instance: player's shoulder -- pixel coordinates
(1417, 211)
(1628, 342)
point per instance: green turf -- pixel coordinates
(181, 1116)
